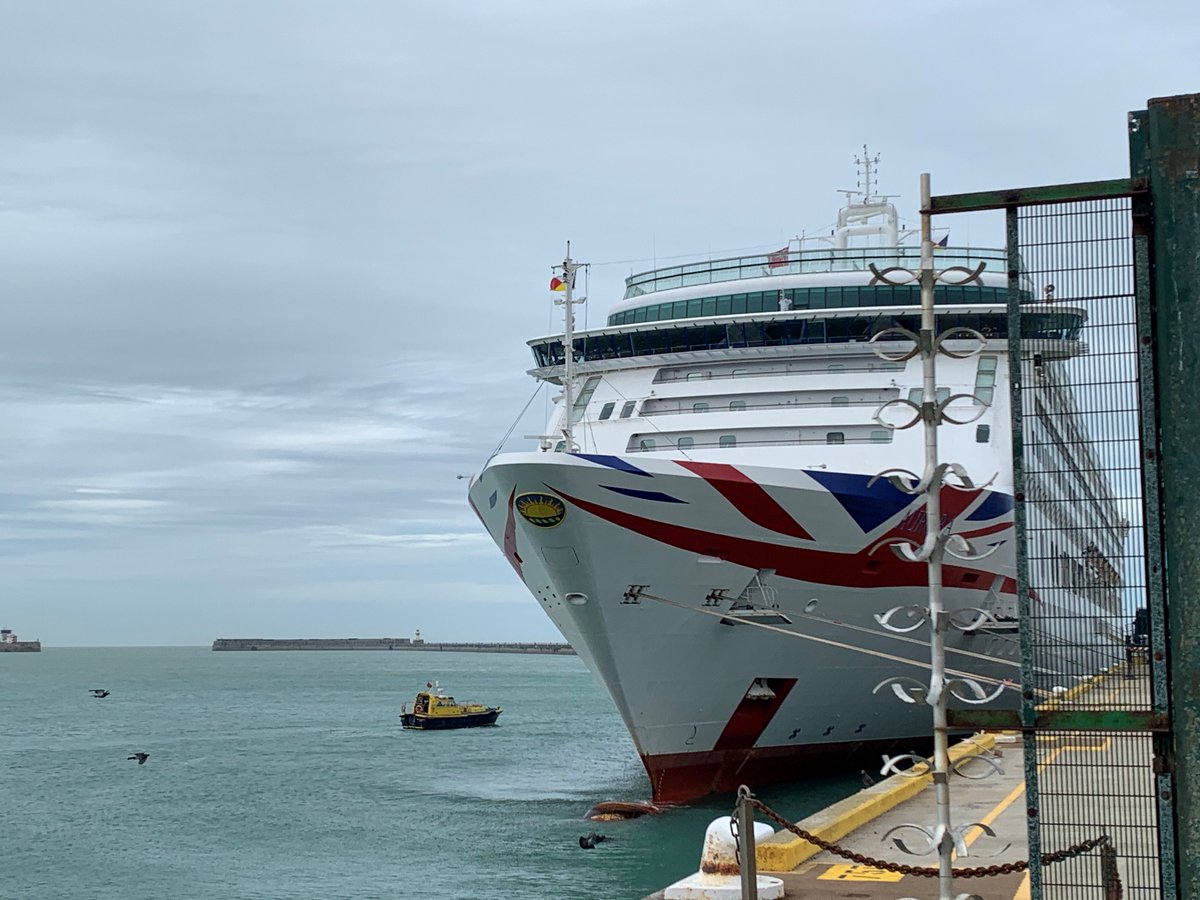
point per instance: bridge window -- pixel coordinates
(627, 409)
(982, 433)
(696, 376)
(699, 407)
(738, 373)
(584, 398)
(835, 437)
(607, 410)
(727, 440)
(737, 405)
(985, 380)
(646, 444)
(835, 367)
(840, 401)
(881, 436)
(685, 443)
(915, 395)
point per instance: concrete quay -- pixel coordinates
(1089, 784)
(388, 644)
(20, 647)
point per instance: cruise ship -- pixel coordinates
(702, 522)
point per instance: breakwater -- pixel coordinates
(21, 647)
(387, 644)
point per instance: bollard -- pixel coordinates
(748, 862)
(720, 876)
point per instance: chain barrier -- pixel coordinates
(1108, 856)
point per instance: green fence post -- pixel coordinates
(1174, 161)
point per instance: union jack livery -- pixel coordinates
(703, 524)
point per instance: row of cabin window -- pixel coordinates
(880, 436)
(843, 297)
(914, 396)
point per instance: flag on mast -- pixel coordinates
(943, 243)
(778, 258)
(557, 284)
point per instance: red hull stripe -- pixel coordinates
(991, 529)
(859, 569)
(748, 497)
(751, 717)
(510, 537)
(684, 777)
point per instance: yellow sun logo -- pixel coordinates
(542, 510)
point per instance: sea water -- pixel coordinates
(287, 775)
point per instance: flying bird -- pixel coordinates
(140, 757)
(99, 693)
(867, 780)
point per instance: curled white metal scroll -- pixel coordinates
(979, 409)
(975, 695)
(948, 335)
(912, 486)
(960, 548)
(961, 767)
(968, 275)
(882, 352)
(907, 689)
(888, 275)
(919, 613)
(899, 401)
(916, 765)
(975, 617)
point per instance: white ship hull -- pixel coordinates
(700, 520)
(680, 675)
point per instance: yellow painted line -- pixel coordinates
(845, 872)
(1024, 891)
(784, 852)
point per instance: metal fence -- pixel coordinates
(1079, 458)
(1094, 713)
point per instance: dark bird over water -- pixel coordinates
(867, 780)
(140, 757)
(99, 693)
(587, 842)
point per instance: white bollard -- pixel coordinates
(719, 877)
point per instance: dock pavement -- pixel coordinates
(1071, 766)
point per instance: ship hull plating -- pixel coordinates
(640, 565)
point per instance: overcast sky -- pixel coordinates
(267, 269)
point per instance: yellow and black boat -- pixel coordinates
(433, 709)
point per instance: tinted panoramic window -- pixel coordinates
(836, 297)
(682, 337)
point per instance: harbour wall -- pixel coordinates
(21, 647)
(386, 644)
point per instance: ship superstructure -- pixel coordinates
(702, 522)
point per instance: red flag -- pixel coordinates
(778, 258)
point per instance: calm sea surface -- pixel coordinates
(287, 775)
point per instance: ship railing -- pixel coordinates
(751, 407)
(804, 262)
(674, 376)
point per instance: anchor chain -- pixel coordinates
(1108, 856)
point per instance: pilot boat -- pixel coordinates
(433, 709)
